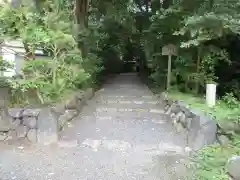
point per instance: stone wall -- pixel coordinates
(23, 125)
(41, 125)
(200, 129)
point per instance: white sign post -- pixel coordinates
(211, 94)
(169, 50)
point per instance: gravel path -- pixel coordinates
(121, 134)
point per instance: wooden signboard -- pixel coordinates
(169, 50)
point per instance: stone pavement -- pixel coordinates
(122, 133)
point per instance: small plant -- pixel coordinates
(4, 66)
(231, 100)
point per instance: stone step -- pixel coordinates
(143, 115)
(163, 148)
(128, 102)
(121, 97)
(112, 109)
(130, 106)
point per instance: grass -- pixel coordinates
(222, 112)
(212, 161)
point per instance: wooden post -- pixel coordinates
(169, 72)
(169, 50)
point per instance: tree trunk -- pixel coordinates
(198, 68)
(29, 55)
(81, 18)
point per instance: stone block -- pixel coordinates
(163, 96)
(183, 120)
(178, 115)
(31, 112)
(11, 135)
(30, 122)
(232, 167)
(229, 126)
(32, 135)
(47, 132)
(16, 113)
(5, 123)
(4, 97)
(175, 108)
(16, 123)
(223, 140)
(88, 94)
(67, 116)
(188, 123)
(179, 127)
(185, 108)
(3, 136)
(202, 132)
(21, 131)
(80, 105)
(58, 109)
(72, 103)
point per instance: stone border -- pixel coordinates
(232, 167)
(44, 124)
(200, 129)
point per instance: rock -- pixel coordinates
(188, 123)
(175, 108)
(47, 132)
(32, 135)
(232, 167)
(229, 126)
(12, 135)
(163, 96)
(202, 132)
(16, 123)
(166, 108)
(179, 127)
(16, 112)
(188, 150)
(79, 95)
(223, 140)
(195, 112)
(68, 116)
(30, 122)
(21, 131)
(88, 94)
(175, 123)
(183, 120)
(172, 115)
(5, 125)
(31, 112)
(183, 105)
(4, 97)
(59, 109)
(178, 115)
(72, 103)
(3, 136)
